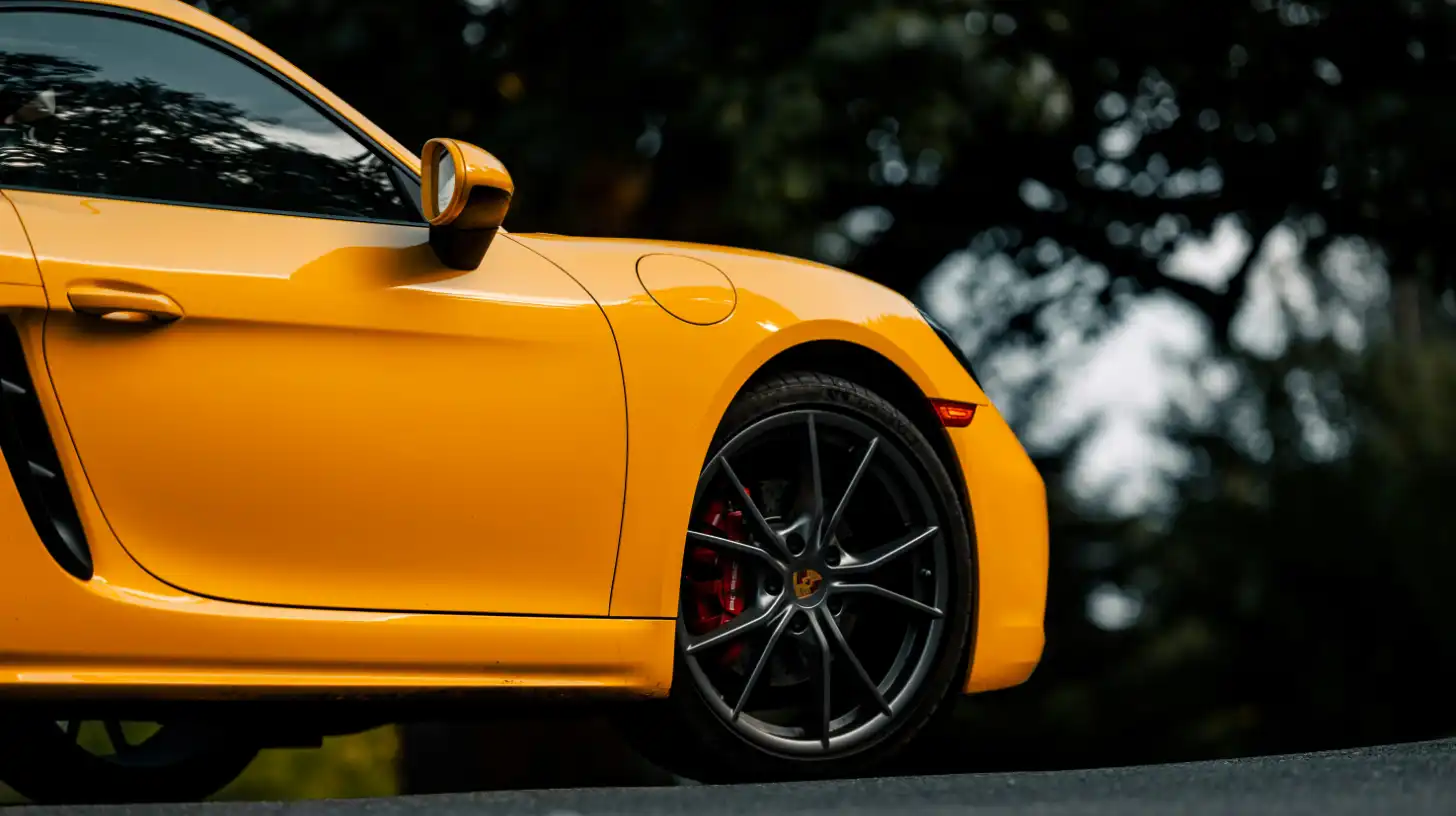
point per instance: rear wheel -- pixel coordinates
(114, 761)
(826, 590)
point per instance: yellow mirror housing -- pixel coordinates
(465, 193)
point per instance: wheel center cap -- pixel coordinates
(807, 583)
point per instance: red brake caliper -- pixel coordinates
(719, 599)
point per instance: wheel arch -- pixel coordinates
(867, 367)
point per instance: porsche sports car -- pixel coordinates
(301, 442)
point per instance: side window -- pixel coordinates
(107, 106)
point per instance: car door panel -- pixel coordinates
(17, 264)
(336, 420)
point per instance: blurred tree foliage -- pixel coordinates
(1292, 595)
(1109, 129)
(1296, 599)
(349, 766)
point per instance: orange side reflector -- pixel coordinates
(954, 414)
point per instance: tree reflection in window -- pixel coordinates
(105, 106)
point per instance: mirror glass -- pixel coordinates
(444, 181)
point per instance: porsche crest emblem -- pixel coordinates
(806, 583)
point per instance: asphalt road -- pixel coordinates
(1418, 778)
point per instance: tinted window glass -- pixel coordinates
(101, 105)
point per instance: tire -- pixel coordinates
(50, 763)
(805, 598)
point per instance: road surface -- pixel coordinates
(1417, 778)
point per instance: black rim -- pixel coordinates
(129, 744)
(812, 616)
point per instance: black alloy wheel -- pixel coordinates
(116, 761)
(825, 602)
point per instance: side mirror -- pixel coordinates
(465, 195)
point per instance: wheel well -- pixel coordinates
(873, 371)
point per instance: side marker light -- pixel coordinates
(954, 414)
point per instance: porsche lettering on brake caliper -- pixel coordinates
(719, 598)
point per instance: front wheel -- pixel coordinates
(826, 590)
(112, 761)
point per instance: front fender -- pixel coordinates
(680, 377)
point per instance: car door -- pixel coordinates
(278, 393)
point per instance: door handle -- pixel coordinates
(123, 305)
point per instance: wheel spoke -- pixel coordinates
(822, 680)
(809, 491)
(751, 508)
(762, 663)
(889, 595)
(116, 735)
(859, 472)
(733, 630)
(815, 474)
(837, 635)
(718, 542)
(880, 556)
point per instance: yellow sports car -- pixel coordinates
(299, 439)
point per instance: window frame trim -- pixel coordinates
(393, 167)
